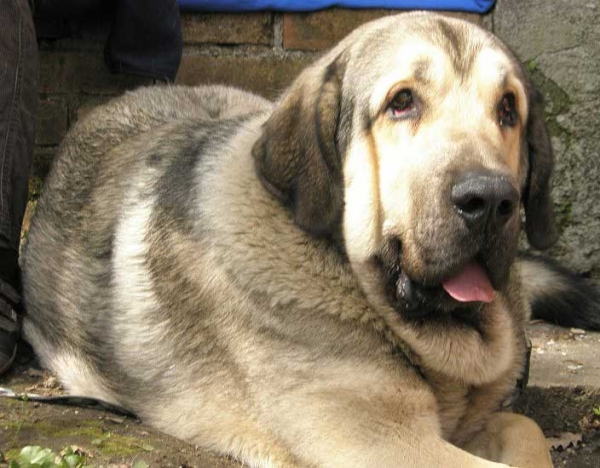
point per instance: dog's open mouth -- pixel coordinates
(469, 286)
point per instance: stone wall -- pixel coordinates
(262, 52)
(559, 40)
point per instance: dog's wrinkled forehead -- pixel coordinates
(429, 50)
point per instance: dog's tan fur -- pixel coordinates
(213, 262)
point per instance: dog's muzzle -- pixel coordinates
(469, 263)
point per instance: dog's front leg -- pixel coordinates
(366, 431)
(512, 439)
(345, 447)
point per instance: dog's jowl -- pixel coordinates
(327, 281)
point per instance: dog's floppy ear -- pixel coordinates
(297, 157)
(540, 224)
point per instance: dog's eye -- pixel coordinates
(507, 112)
(402, 103)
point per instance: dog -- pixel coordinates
(330, 280)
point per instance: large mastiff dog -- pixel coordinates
(327, 281)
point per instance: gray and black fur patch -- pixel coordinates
(570, 301)
(177, 188)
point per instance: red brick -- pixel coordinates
(224, 28)
(323, 29)
(52, 120)
(67, 72)
(264, 75)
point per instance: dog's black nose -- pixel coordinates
(485, 198)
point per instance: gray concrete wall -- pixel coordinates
(559, 40)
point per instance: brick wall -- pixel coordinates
(260, 52)
(263, 52)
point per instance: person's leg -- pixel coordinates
(145, 39)
(19, 67)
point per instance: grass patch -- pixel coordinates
(38, 457)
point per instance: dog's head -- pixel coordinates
(416, 139)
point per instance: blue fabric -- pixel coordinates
(479, 6)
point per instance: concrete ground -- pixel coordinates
(564, 389)
(563, 357)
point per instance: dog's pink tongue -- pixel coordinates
(471, 284)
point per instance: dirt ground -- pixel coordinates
(107, 439)
(567, 418)
(112, 440)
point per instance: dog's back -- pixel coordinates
(69, 260)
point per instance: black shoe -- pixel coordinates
(10, 325)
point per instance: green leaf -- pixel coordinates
(73, 460)
(67, 451)
(140, 464)
(37, 456)
(596, 411)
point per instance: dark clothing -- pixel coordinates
(19, 68)
(145, 39)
